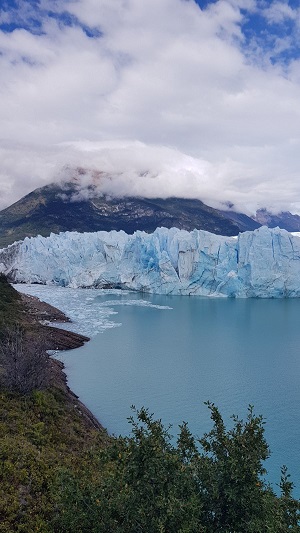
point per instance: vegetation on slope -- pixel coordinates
(10, 308)
(61, 474)
(43, 427)
(41, 434)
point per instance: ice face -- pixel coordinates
(262, 263)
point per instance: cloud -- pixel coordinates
(168, 97)
(279, 12)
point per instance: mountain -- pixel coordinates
(284, 220)
(264, 263)
(244, 222)
(55, 208)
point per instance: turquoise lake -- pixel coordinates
(171, 354)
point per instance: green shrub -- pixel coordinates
(149, 484)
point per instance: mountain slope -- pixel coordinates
(284, 220)
(244, 222)
(56, 208)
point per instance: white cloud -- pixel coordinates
(279, 12)
(165, 73)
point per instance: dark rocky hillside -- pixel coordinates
(54, 208)
(284, 220)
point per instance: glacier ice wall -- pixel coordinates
(262, 263)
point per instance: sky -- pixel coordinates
(199, 99)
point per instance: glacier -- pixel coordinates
(264, 263)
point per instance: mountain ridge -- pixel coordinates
(55, 208)
(68, 206)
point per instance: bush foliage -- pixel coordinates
(10, 308)
(210, 485)
(59, 475)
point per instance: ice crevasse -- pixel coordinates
(263, 263)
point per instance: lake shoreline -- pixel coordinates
(42, 315)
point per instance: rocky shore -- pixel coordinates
(39, 315)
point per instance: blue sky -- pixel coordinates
(202, 98)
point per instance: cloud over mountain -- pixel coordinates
(170, 96)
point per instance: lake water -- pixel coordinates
(171, 354)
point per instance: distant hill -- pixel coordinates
(56, 208)
(284, 220)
